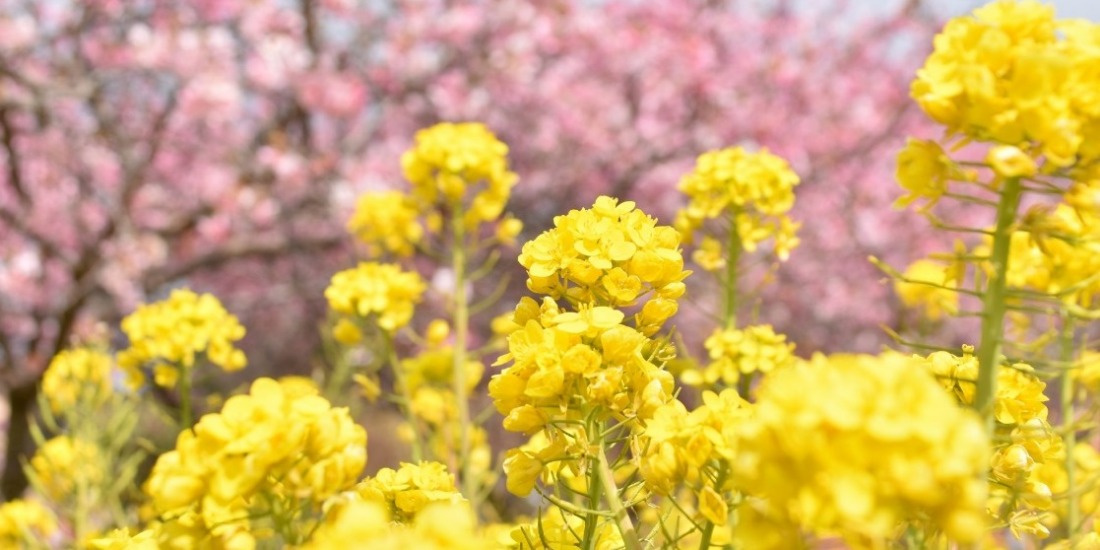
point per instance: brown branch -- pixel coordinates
(15, 169)
(236, 249)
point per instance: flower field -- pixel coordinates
(586, 411)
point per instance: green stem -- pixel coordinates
(591, 519)
(406, 396)
(615, 503)
(462, 328)
(1069, 435)
(993, 302)
(708, 531)
(733, 255)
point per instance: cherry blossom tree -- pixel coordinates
(220, 144)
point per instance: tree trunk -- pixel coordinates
(22, 401)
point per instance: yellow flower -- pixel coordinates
(410, 489)
(925, 286)
(381, 291)
(448, 159)
(387, 221)
(734, 352)
(805, 452)
(610, 254)
(123, 539)
(281, 440)
(24, 523)
(923, 170)
(1010, 162)
(345, 332)
(171, 333)
(63, 465)
(81, 375)
(756, 189)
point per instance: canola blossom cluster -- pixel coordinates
(65, 465)
(169, 335)
(874, 444)
(1014, 75)
(383, 292)
(1023, 439)
(406, 492)
(388, 222)
(75, 375)
(440, 526)
(426, 379)
(694, 449)
(734, 353)
(611, 254)
(754, 191)
(448, 160)
(927, 286)
(266, 451)
(454, 170)
(24, 523)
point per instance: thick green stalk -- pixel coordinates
(993, 302)
(592, 520)
(1069, 435)
(462, 328)
(615, 503)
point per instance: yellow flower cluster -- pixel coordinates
(448, 158)
(409, 490)
(123, 539)
(556, 529)
(805, 451)
(1086, 463)
(573, 360)
(25, 524)
(281, 442)
(694, 449)
(1012, 74)
(81, 375)
(756, 189)
(383, 292)
(737, 352)
(1024, 439)
(1059, 253)
(367, 524)
(169, 334)
(612, 254)
(64, 465)
(427, 380)
(925, 286)
(387, 221)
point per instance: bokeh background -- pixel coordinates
(220, 145)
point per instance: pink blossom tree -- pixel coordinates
(221, 144)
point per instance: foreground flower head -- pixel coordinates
(169, 335)
(281, 441)
(805, 451)
(1011, 73)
